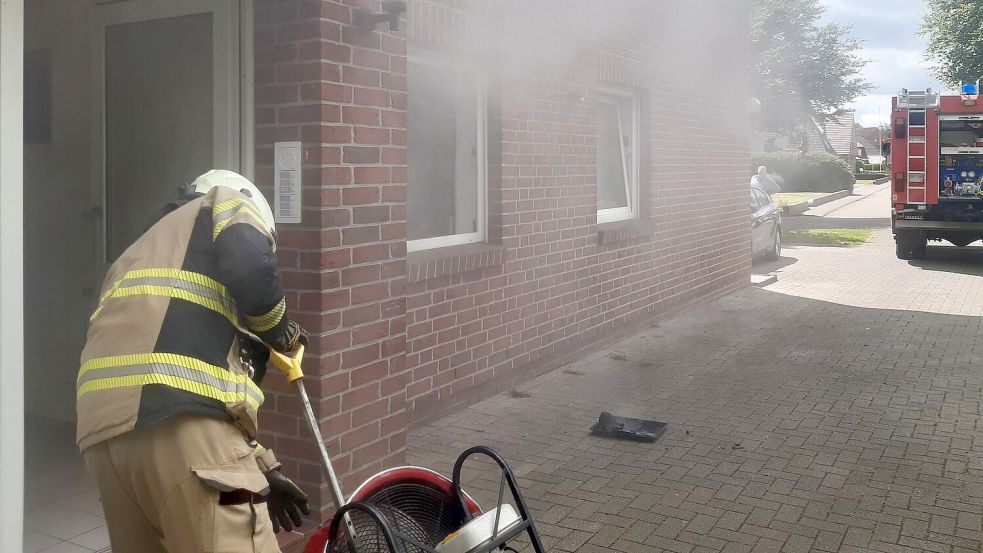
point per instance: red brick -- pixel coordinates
(360, 315)
(360, 356)
(335, 426)
(394, 119)
(360, 275)
(336, 217)
(327, 134)
(360, 196)
(373, 97)
(394, 193)
(334, 342)
(357, 115)
(370, 333)
(394, 156)
(361, 76)
(392, 81)
(371, 453)
(371, 214)
(394, 231)
(335, 258)
(369, 253)
(370, 292)
(372, 135)
(372, 59)
(359, 397)
(372, 175)
(361, 154)
(359, 235)
(395, 422)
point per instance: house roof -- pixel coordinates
(840, 132)
(818, 143)
(870, 146)
(870, 134)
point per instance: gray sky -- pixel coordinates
(889, 31)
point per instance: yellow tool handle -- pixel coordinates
(289, 366)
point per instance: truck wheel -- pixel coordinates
(919, 248)
(902, 249)
(910, 244)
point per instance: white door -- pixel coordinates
(167, 107)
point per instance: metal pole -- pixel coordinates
(336, 494)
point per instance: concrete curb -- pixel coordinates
(882, 180)
(828, 198)
(796, 209)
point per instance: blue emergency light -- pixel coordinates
(970, 89)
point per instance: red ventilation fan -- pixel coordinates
(411, 509)
(417, 502)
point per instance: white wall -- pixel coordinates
(59, 242)
(11, 277)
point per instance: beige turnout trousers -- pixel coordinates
(184, 485)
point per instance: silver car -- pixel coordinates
(766, 225)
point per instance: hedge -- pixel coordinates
(807, 173)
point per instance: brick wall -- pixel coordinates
(341, 93)
(402, 338)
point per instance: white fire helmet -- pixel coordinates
(239, 183)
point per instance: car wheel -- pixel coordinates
(776, 248)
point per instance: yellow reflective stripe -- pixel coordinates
(262, 323)
(166, 291)
(88, 375)
(223, 213)
(197, 388)
(189, 276)
(220, 302)
(148, 358)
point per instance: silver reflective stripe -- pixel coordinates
(170, 369)
(228, 213)
(181, 284)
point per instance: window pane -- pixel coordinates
(442, 194)
(158, 118)
(613, 139)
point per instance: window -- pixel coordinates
(617, 157)
(446, 148)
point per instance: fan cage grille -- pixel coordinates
(414, 510)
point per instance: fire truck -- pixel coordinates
(936, 169)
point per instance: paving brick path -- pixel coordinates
(836, 410)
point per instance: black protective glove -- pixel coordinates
(285, 502)
(295, 336)
(256, 355)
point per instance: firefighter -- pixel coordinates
(168, 388)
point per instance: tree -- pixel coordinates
(954, 29)
(803, 69)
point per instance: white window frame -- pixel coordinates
(481, 144)
(610, 96)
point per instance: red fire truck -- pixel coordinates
(937, 169)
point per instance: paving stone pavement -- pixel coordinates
(835, 410)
